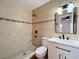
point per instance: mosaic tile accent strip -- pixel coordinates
(19, 21)
(44, 21)
(12, 20)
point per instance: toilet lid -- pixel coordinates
(41, 50)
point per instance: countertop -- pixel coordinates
(72, 43)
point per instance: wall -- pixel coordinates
(44, 21)
(14, 36)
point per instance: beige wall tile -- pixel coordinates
(14, 36)
(46, 12)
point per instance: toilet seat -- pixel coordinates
(41, 50)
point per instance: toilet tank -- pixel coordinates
(45, 41)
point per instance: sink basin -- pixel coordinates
(73, 43)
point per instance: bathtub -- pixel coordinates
(25, 54)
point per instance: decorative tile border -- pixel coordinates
(51, 20)
(19, 21)
(12, 20)
(44, 21)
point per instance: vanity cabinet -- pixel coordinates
(61, 54)
(60, 51)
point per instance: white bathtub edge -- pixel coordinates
(29, 56)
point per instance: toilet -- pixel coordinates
(42, 50)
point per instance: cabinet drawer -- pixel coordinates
(65, 48)
(59, 51)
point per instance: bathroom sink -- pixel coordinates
(73, 43)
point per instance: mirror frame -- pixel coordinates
(74, 23)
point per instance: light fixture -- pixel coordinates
(70, 7)
(60, 10)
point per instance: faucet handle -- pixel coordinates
(59, 37)
(63, 37)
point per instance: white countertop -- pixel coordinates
(72, 43)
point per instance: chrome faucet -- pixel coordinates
(63, 36)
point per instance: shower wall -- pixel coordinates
(44, 21)
(15, 36)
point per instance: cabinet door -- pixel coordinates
(58, 54)
(74, 53)
(57, 51)
(69, 52)
(67, 55)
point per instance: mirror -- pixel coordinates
(66, 19)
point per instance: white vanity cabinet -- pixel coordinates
(60, 51)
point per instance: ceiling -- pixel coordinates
(31, 4)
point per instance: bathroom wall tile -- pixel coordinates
(14, 36)
(46, 12)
